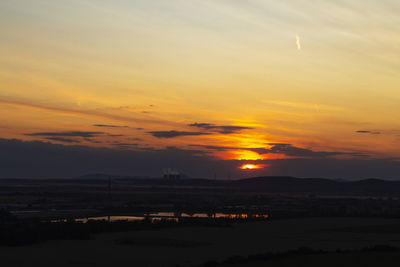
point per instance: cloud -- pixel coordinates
(223, 129)
(218, 148)
(367, 132)
(36, 159)
(63, 140)
(303, 105)
(125, 144)
(280, 148)
(290, 150)
(98, 113)
(92, 141)
(67, 134)
(171, 134)
(298, 43)
(110, 126)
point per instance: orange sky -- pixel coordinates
(318, 76)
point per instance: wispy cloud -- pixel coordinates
(67, 134)
(171, 134)
(86, 112)
(125, 144)
(284, 149)
(224, 129)
(110, 126)
(62, 140)
(298, 43)
(302, 105)
(367, 132)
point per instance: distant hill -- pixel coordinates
(270, 184)
(102, 176)
(147, 179)
(316, 185)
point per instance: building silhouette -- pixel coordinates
(171, 174)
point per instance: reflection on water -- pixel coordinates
(210, 215)
(169, 216)
(112, 218)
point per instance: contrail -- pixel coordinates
(298, 42)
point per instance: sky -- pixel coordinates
(297, 87)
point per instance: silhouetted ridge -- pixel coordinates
(315, 185)
(269, 184)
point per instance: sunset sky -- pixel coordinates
(288, 85)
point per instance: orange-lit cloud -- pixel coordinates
(246, 155)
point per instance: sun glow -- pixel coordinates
(251, 166)
(246, 155)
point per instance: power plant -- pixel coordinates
(171, 174)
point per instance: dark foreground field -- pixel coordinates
(346, 259)
(227, 246)
(276, 221)
(281, 197)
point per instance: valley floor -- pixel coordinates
(191, 246)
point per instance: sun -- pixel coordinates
(251, 166)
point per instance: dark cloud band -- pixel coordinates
(172, 134)
(67, 134)
(35, 159)
(110, 126)
(367, 132)
(223, 129)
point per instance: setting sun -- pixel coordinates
(251, 166)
